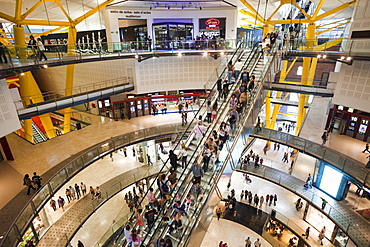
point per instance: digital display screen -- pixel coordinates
(331, 180)
(352, 126)
(362, 129)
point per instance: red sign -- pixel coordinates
(212, 21)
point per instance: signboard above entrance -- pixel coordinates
(212, 23)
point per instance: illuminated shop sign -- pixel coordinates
(212, 23)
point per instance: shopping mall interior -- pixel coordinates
(185, 123)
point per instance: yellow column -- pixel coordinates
(268, 109)
(310, 36)
(302, 97)
(72, 36)
(267, 29)
(69, 85)
(19, 41)
(31, 92)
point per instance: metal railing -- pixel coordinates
(346, 164)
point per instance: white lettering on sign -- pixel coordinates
(133, 14)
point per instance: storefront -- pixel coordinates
(332, 181)
(170, 24)
(181, 33)
(142, 105)
(350, 122)
(212, 27)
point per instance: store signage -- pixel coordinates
(131, 14)
(212, 23)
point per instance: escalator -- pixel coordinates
(254, 64)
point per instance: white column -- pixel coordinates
(195, 27)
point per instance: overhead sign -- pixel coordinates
(131, 14)
(212, 23)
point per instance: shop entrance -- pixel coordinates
(134, 31)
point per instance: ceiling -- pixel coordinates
(75, 8)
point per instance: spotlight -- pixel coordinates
(348, 58)
(319, 56)
(205, 54)
(324, 56)
(45, 66)
(22, 74)
(222, 53)
(154, 57)
(136, 56)
(179, 54)
(342, 58)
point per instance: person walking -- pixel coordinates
(61, 202)
(366, 148)
(322, 235)
(183, 155)
(124, 151)
(149, 160)
(73, 192)
(218, 213)
(150, 216)
(323, 204)
(41, 49)
(324, 137)
(248, 242)
(68, 195)
(80, 244)
(199, 130)
(307, 233)
(209, 112)
(37, 180)
(173, 160)
(230, 70)
(257, 243)
(261, 201)
(92, 192)
(3, 58)
(53, 204)
(275, 199)
(78, 191)
(197, 172)
(27, 182)
(83, 188)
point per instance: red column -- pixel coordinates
(6, 148)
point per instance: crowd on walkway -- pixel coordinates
(73, 193)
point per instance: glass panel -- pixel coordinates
(41, 196)
(181, 32)
(297, 142)
(58, 179)
(172, 32)
(24, 217)
(334, 158)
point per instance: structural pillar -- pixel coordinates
(72, 36)
(19, 41)
(302, 97)
(268, 109)
(6, 148)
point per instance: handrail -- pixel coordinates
(70, 168)
(346, 164)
